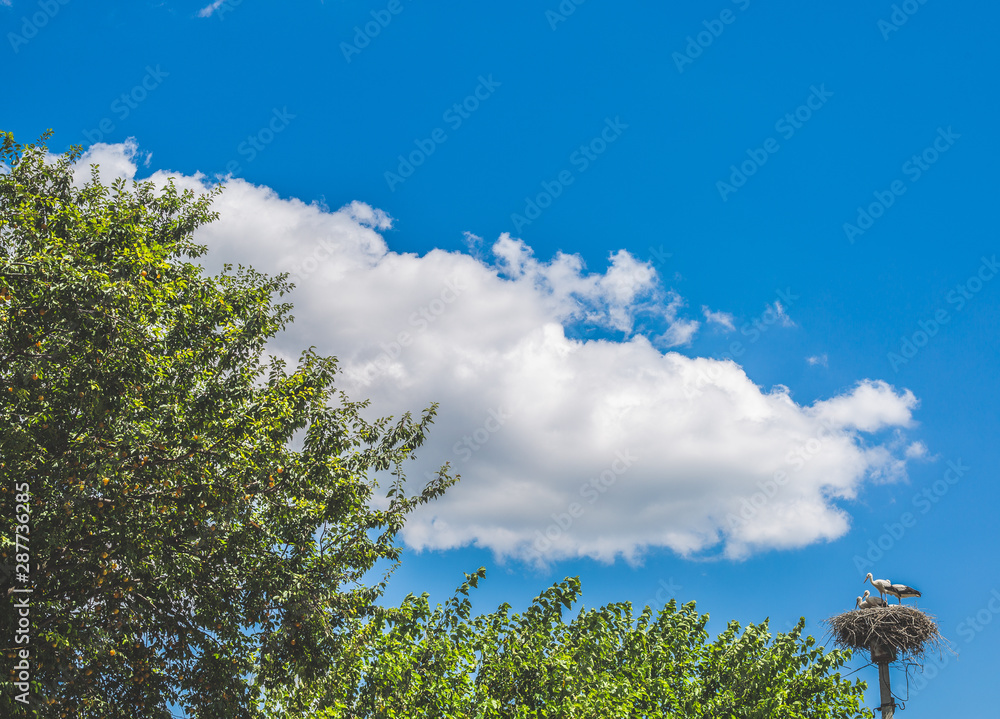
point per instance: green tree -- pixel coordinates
(202, 522)
(604, 663)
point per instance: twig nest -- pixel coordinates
(886, 630)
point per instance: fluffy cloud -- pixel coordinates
(113, 161)
(601, 448)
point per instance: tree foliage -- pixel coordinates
(604, 663)
(202, 522)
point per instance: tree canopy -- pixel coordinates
(199, 521)
(604, 663)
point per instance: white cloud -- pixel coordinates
(817, 360)
(611, 299)
(209, 9)
(474, 243)
(114, 161)
(723, 319)
(679, 331)
(917, 450)
(783, 317)
(608, 447)
(866, 408)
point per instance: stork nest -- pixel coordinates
(907, 630)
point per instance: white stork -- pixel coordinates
(882, 585)
(901, 592)
(867, 602)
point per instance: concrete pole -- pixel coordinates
(883, 654)
(885, 694)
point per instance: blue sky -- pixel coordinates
(684, 249)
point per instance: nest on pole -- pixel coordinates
(898, 627)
